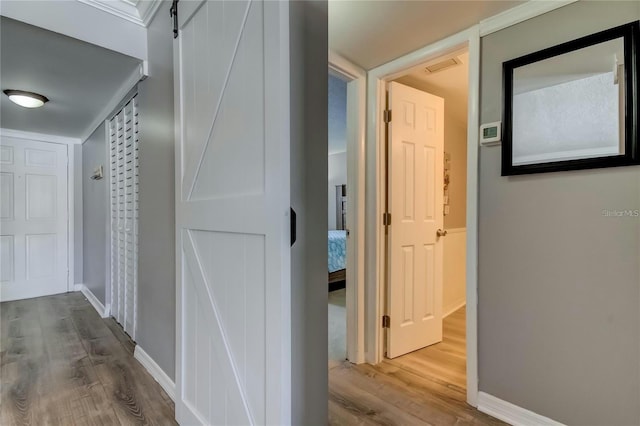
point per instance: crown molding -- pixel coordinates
(139, 12)
(148, 10)
(518, 14)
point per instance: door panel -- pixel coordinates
(416, 149)
(41, 196)
(39, 158)
(6, 199)
(34, 222)
(6, 154)
(6, 252)
(41, 255)
(232, 204)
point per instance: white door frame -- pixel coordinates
(71, 194)
(376, 100)
(355, 290)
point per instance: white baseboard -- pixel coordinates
(448, 310)
(156, 372)
(510, 413)
(97, 305)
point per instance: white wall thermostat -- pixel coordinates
(491, 133)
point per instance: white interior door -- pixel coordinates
(34, 242)
(416, 149)
(232, 207)
(123, 154)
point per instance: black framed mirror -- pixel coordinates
(573, 106)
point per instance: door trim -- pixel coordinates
(71, 218)
(107, 224)
(71, 193)
(40, 137)
(355, 304)
(375, 177)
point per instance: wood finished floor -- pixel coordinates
(61, 364)
(425, 387)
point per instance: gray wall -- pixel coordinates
(337, 113)
(156, 235)
(455, 144)
(78, 177)
(156, 252)
(337, 171)
(308, 66)
(95, 214)
(558, 282)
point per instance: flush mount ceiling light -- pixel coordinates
(26, 99)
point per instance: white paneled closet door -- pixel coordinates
(123, 149)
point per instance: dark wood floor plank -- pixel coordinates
(25, 355)
(64, 365)
(119, 333)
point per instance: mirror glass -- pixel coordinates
(570, 106)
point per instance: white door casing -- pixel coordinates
(233, 355)
(34, 221)
(376, 142)
(122, 131)
(415, 191)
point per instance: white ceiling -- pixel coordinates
(371, 33)
(78, 78)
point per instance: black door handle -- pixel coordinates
(293, 226)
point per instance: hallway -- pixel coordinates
(64, 365)
(425, 387)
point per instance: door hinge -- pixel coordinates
(387, 116)
(173, 12)
(386, 321)
(386, 219)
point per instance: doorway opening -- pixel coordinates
(377, 81)
(337, 217)
(346, 210)
(445, 369)
(426, 162)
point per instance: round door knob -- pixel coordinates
(441, 233)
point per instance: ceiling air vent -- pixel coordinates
(442, 65)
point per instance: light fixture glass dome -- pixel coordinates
(26, 99)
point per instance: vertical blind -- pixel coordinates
(123, 148)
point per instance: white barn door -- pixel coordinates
(416, 149)
(232, 213)
(34, 220)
